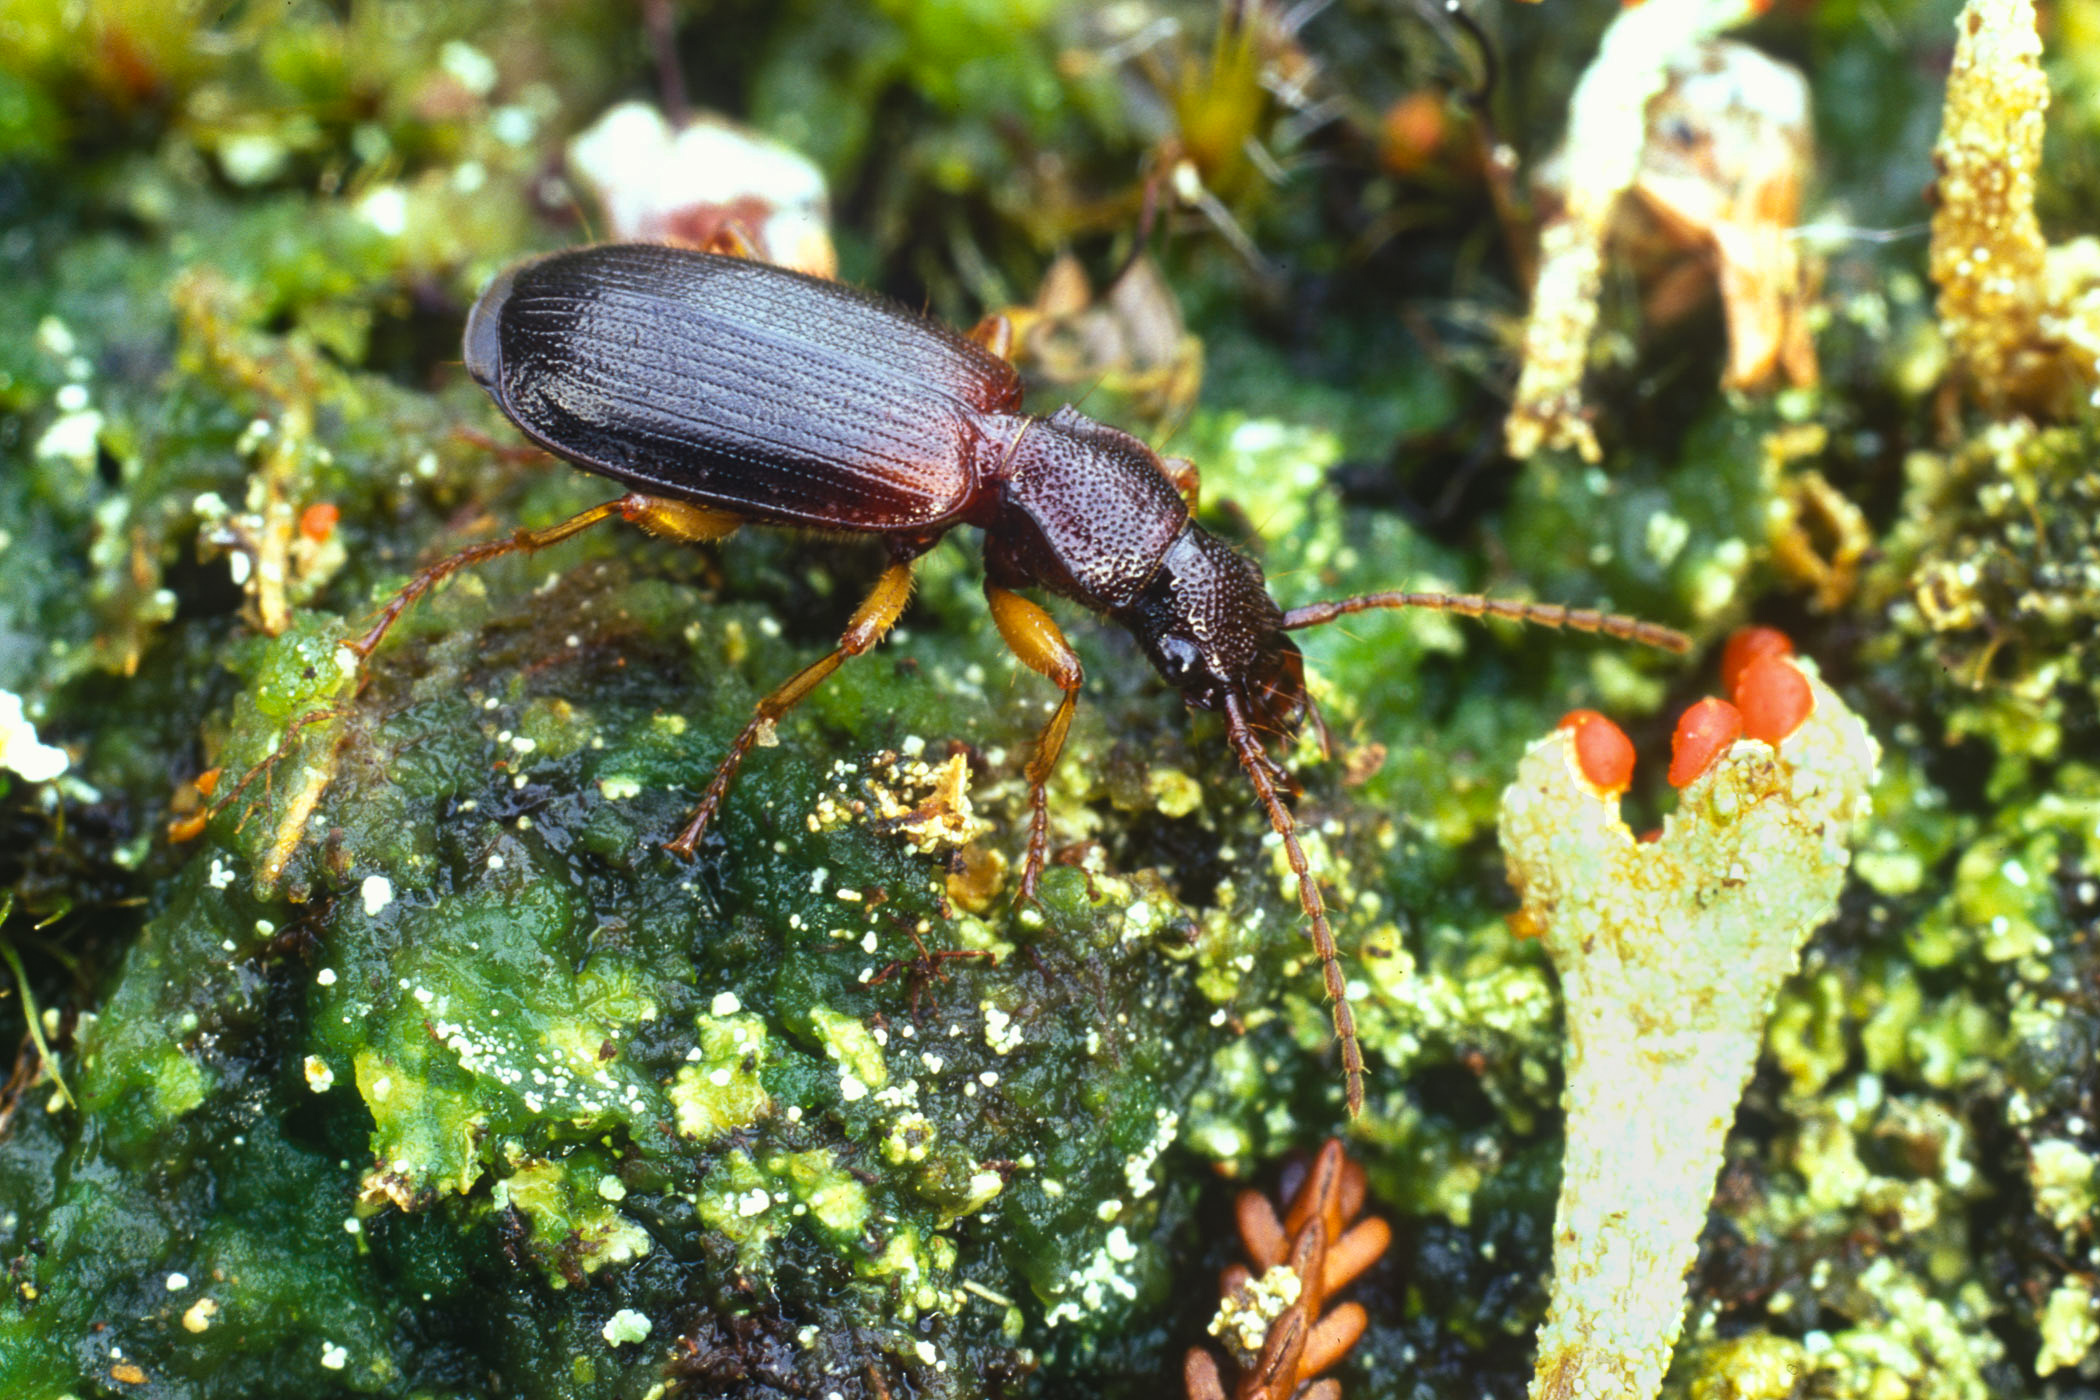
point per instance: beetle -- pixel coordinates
(724, 391)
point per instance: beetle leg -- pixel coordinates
(677, 519)
(996, 334)
(877, 613)
(1184, 477)
(1034, 637)
(680, 520)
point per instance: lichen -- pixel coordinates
(1669, 953)
(2023, 317)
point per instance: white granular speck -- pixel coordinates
(626, 1325)
(725, 1004)
(333, 1357)
(378, 892)
(325, 977)
(178, 1282)
(385, 209)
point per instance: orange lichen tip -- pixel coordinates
(1704, 733)
(317, 521)
(1602, 751)
(1773, 697)
(1745, 645)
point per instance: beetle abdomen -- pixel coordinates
(719, 380)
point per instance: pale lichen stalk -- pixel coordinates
(2022, 318)
(1669, 954)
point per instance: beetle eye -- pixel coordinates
(1178, 656)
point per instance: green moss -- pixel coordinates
(721, 1089)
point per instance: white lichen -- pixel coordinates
(1607, 132)
(20, 749)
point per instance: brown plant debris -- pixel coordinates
(1272, 1324)
(1729, 147)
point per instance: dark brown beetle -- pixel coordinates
(726, 391)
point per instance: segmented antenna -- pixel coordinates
(1552, 615)
(1247, 747)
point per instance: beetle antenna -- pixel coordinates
(1247, 747)
(1610, 624)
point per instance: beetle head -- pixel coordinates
(1209, 625)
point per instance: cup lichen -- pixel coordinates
(1669, 954)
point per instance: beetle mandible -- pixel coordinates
(724, 391)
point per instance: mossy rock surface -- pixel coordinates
(420, 1069)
